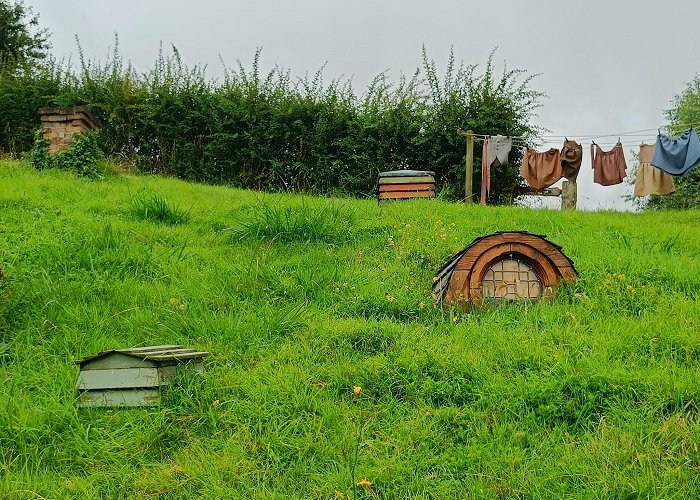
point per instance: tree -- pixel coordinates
(685, 113)
(22, 41)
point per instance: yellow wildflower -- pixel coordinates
(364, 482)
(172, 301)
(390, 297)
(339, 494)
(357, 389)
(215, 402)
(455, 319)
(435, 278)
(421, 306)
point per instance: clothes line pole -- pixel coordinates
(485, 172)
(469, 165)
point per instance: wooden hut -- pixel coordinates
(133, 377)
(514, 265)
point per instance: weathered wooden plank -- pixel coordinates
(407, 180)
(118, 378)
(116, 360)
(119, 398)
(406, 195)
(167, 347)
(424, 186)
(540, 192)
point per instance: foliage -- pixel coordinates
(685, 113)
(83, 157)
(22, 42)
(594, 395)
(21, 95)
(39, 155)
(268, 131)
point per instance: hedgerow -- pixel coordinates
(269, 131)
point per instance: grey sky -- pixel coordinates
(607, 66)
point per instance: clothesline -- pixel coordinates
(658, 161)
(587, 137)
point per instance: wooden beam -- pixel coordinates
(539, 192)
(469, 166)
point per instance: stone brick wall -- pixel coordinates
(61, 124)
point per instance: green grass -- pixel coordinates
(299, 299)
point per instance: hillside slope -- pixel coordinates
(300, 299)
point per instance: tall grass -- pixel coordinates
(299, 223)
(155, 207)
(594, 395)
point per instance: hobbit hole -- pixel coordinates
(504, 266)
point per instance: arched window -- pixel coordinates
(511, 279)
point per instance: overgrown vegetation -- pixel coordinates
(83, 157)
(270, 131)
(594, 395)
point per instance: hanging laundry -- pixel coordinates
(677, 156)
(541, 170)
(571, 157)
(609, 167)
(651, 180)
(499, 147)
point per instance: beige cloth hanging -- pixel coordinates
(651, 180)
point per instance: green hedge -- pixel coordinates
(272, 132)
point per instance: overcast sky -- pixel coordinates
(607, 66)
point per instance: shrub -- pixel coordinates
(84, 156)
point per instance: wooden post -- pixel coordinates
(568, 195)
(469, 166)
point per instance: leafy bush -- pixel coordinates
(84, 156)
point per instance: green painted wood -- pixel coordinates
(119, 378)
(129, 378)
(113, 360)
(407, 180)
(119, 398)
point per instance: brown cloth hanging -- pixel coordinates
(609, 167)
(571, 157)
(651, 180)
(541, 170)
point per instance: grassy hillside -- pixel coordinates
(300, 299)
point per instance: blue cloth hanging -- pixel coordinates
(677, 156)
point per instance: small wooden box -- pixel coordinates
(132, 377)
(406, 184)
